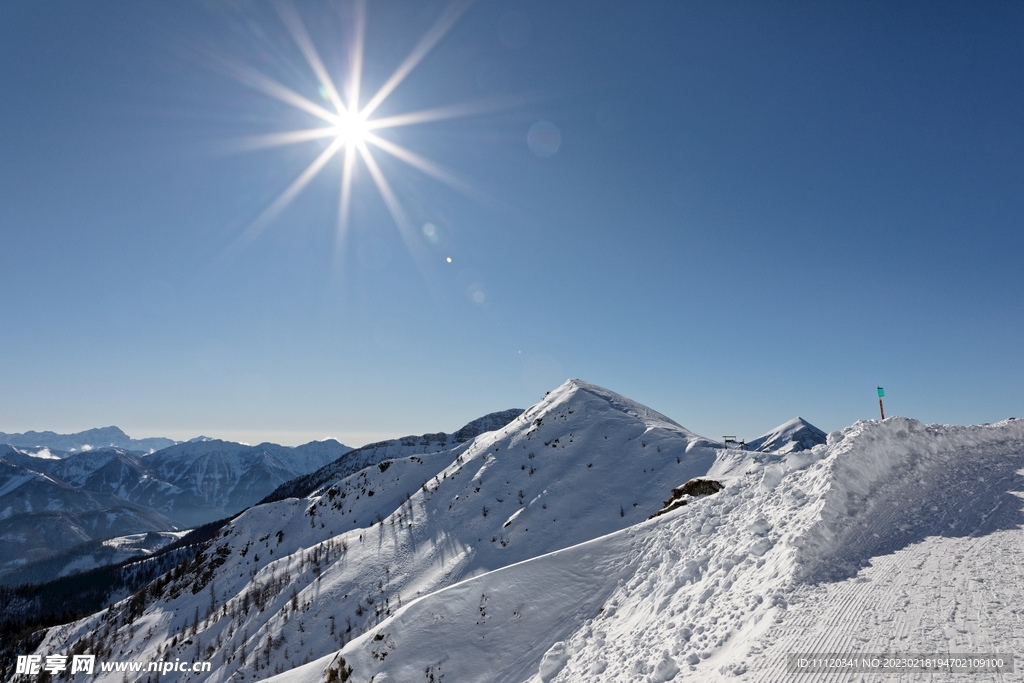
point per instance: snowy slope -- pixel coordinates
(373, 453)
(895, 537)
(581, 464)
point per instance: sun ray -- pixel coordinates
(254, 142)
(394, 206)
(269, 86)
(422, 163)
(356, 56)
(426, 44)
(345, 201)
(352, 127)
(437, 114)
(295, 26)
(286, 197)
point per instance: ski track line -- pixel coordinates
(976, 581)
(823, 622)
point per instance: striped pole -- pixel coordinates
(881, 408)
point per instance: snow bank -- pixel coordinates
(894, 483)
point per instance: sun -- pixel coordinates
(351, 130)
(347, 121)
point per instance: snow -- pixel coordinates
(15, 482)
(133, 541)
(488, 564)
(124, 548)
(509, 624)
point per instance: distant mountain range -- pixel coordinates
(51, 500)
(90, 439)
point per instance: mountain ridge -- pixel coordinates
(582, 463)
(373, 453)
(97, 437)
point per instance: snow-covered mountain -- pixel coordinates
(49, 504)
(583, 463)
(373, 453)
(41, 514)
(796, 435)
(190, 483)
(35, 536)
(103, 437)
(530, 554)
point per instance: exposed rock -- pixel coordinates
(691, 489)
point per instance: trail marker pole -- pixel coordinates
(881, 408)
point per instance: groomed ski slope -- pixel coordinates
(895, 536)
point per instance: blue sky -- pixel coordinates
(754, 211)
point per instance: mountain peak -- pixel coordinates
(570, 391)
(794, 435)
